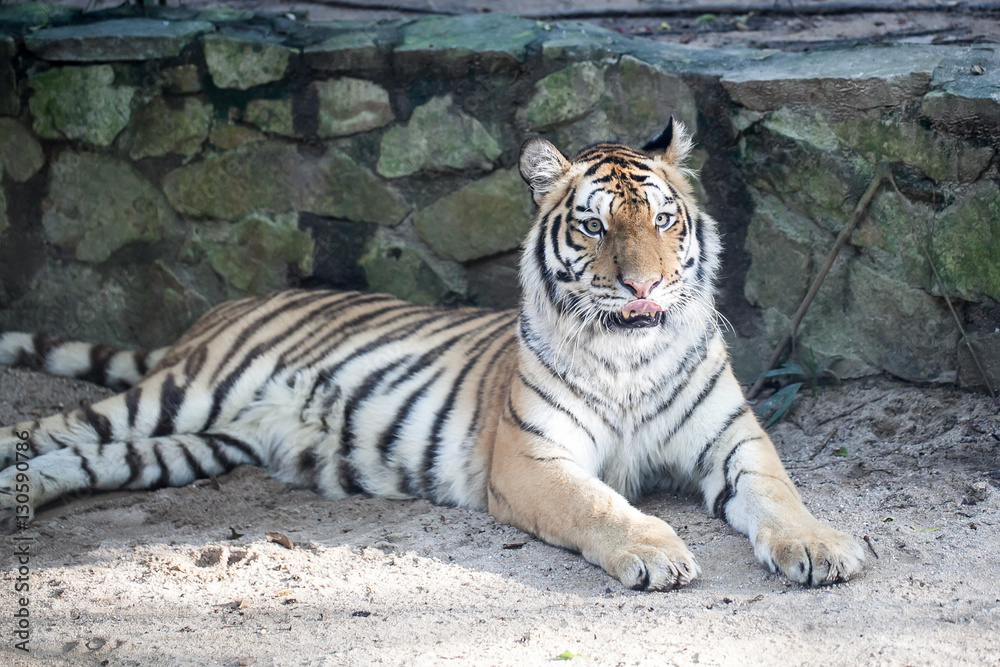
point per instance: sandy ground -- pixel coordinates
(187, 576)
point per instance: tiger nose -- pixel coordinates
(641, 289)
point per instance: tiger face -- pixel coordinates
(618, 242)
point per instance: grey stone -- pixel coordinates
(941, 156)
(273, 177)
(843, 81)
(565, 96)
(115, 40)
(484, 218)
(571, 138)
(984, 359)
(963, 100)
(29, 14)
(493, 282)
(159, 128)
(98, 204)
(4, 223)
(254, 255)
(965, 243)
(349, 106)
(80, 103)
(182, 80)
(21, 155)
(226, 136)
(347, 52)
(397, 264)
(781, 246)
(575, 41)
(10, 102)
(491, 42)
(273, 116)
(640, 98)
(243, 61)
(438, 137)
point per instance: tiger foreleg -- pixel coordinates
(538, 487)
(746, 484)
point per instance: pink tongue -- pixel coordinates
(642, 306)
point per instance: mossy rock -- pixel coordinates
(965, 243)
(80, 103)
(161, 128)
(272, 116)
(565, 96)
(98, 204)
(438, 137)
(349, 106)
(484, 218)
(256, 254)
(21, 155)
(397, 265)
(243, 61)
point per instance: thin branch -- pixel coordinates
(845, 233)
(944, 293)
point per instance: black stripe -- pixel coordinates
(196, 469)
(253, 327)
(475, 353)
(434, 353)
(712, 441)
(218, 453)
(100, 356)
(363, 391)
(699, 235)
(100, 424)
(306, 463)
(474, 423)
(195, 362)
(134, 463)
(702, 395)
(558, 406)
(729, 488)
(85, 466)
(238, 445)
(139, 359)
(523, 425)
(171, 398)
(685, 372)
(132, 398)
(334, 329)
(391, 434)
(164, 479)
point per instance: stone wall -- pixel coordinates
(156, 164)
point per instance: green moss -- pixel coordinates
(438, 137)
(566, 95)
(942, 157)
(245, 61)
(254, 254)
(965, 244)
(80, 103)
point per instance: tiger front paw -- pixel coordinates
(816, 555)
(653, 559)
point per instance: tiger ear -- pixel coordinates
(541, 164)
(673, 145)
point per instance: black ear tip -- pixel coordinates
(662, 141)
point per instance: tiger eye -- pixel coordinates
(593, 225)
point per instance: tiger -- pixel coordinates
(609, 381)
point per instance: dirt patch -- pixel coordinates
(187, 576)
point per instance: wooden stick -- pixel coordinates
(982, 373)
(845, 234)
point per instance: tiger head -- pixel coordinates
(618, 242)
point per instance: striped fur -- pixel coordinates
(611, 380)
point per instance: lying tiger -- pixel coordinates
(611, 379)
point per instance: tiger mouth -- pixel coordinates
(638, 314)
